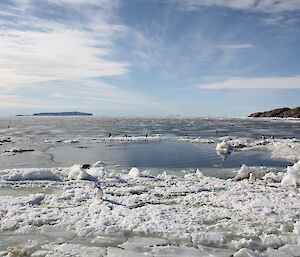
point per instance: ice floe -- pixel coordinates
(286, 149)
(292, 176)
(194, 215)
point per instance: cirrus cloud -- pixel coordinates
(267, 6)
(35, 49)
(292, 82)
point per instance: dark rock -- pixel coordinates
(5, 140)
(86, 166)
(280, 113)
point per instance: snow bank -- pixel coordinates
(29, 174)
(292, 176)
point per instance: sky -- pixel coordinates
(222, 58)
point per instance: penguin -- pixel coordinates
(252, 178)
(99, 193)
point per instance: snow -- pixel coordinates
(273, 177)
(204, 238)
(134, 138)
(134, 173)
(71, 141)
(78, 173)
(285, 149)
(224, 147)
(245, 172)
(98, 164)
(292, 176)
(246, 253)
(29, 174)
(202, 213)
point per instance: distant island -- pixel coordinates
(62, 114)
(279, 113)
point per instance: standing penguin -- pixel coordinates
(252, 178)
(99, 192)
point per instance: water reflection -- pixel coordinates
(224, 155)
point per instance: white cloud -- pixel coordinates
(93, 92)
(35, 50)
(268, 6)
(56, 63)
(82, 94)
(234, 46)
(292, 82)
(99, 3)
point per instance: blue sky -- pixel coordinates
(149, 57)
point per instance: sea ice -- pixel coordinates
(218, 213)
(245, 171)
(244, 252)
(223, 147)
(292, 176)
(77, 172)
(134, 173)
(29, 174)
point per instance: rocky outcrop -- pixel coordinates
(281, 113)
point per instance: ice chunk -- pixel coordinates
(78, 173)
(292, 176)
(97, 171)
(36, 199)
(19, 150)
(288, 250)
(73, 250)
(271, 176)
(71, 141)
(134, 173)
(207, 238)
(245, 171)
(244, 252)
(224, 147)
(15, 251)
(139, 242)
(99, 164)
(30, 174)
(199, 174)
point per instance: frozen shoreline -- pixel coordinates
(191, 210)
(57, 211)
